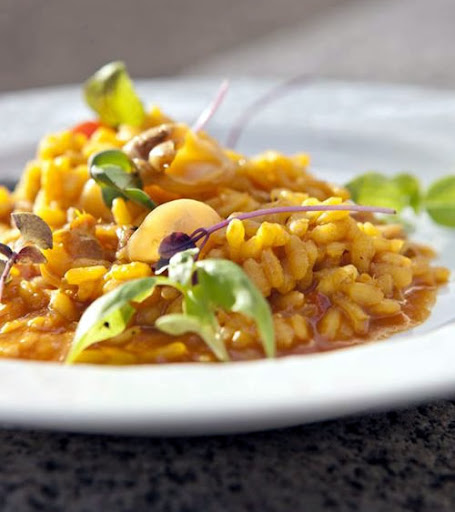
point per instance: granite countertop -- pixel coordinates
(395, 461)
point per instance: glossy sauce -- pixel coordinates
(148, 345)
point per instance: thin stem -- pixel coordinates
(6, 270)
(205, 233)
(210, 110)
(294, 209)
(258, 105)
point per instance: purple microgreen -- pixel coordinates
(171, 245)
(5, 250)
(259, 104)
(177, 242)
(210, 110)
(6, 269)
(177, 239)
(298, 209)
(30, 254)
(33, 229)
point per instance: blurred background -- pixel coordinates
(45, 42)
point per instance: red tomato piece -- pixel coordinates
(88, 128)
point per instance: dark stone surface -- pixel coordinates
(397, 461)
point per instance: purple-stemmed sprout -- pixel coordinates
(276, 92)
(33, 231)
(27, 254)
(178, 242)
(167, 248)
(209, 111)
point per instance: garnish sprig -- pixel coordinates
(35, 235)
(206, 286)
(177, 242)
(210, 110)
(111, 94)
(259, 104)
(118, 177)
(405, 191)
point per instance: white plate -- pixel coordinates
(348, 128)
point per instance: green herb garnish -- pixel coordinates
(109, 315)
(376, 189)
(110, 93)
(403, 191)
(206, 286)
(36, 234)
(117, 176)
(440, 201)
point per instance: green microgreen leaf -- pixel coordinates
(118, 177)
(440, 201)
(138, 196)
(113, 157)
(198, 314)
(220, 284)
(227, 286)
(409, 186)
(109, 194)
(376, 189)
(109, 315)
(110, 93)
(207, 286)
(181, 267)
(33, 229)
(177, 324)
(115, 177)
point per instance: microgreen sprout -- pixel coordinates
(177, 242)
(210, 110)
(118, 177)
(206, 287)
(111, 94)
(271, 95)
(35, 235)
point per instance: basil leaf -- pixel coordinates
(110, 93)
(376, 189)
(227, 286)
(109, 315)
(440, 201)
(33, 229)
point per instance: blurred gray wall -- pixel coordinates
(45, 42)
(59, 41)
